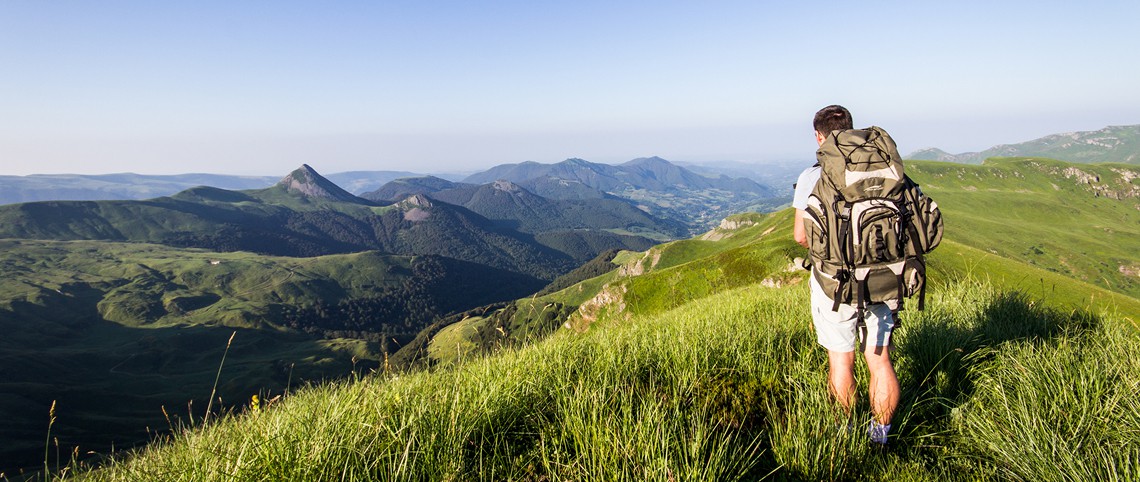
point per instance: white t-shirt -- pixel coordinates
(804, 185)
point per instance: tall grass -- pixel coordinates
(730, 387)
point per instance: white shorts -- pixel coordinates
(838, 331)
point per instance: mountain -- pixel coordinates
(306, 182)
(512, 205)
(404, 187)
(652, 173)
(1113, 144)
(655, 185)
(302, 215)
(581, 228)
(779, 176)
(556, 188)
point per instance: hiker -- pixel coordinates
(836, 323)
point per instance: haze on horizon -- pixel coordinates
(262, 87)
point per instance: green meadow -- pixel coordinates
(1078, 220)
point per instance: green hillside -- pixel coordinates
(1081, 221)
(1113, 144)
(747, 248)
(116, 331)
(279, 222)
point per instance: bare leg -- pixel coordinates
(883, 386)
(841, 377)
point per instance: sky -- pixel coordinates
(260, 87)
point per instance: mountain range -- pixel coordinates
(302, 215)
(1113, 144)
(657, 186)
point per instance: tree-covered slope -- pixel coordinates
(303, 215)
(116, 331)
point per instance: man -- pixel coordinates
(837, 330)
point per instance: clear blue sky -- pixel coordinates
(259, 87)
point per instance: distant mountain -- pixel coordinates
(514, 206)
(779, 176)
(359, 182)
(652, 173)
(581, 228)
(302, 215)
(128, 186)
(305, 181)
(404, 187)
(77, 187)
(655, 185)
(556, 188)
(1114, 144)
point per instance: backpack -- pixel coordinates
(868, 224)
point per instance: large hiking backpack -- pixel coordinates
(868, 224)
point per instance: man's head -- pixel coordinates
(831, 118)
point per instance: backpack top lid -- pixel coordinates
(861, 163)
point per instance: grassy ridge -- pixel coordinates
(729, 387)
(1079, 220)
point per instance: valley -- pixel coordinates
(119, 313)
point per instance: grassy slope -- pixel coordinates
(755, 249)
(1042, 212)
(728, 387)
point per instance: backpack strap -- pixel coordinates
(862, 294)
(842, 277)
(922, 297)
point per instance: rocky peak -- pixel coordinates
(418, 200)
(506, 186)
(416, 208)
(307, 182)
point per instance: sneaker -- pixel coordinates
(878, 432)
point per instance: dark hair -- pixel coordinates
(832, 118)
